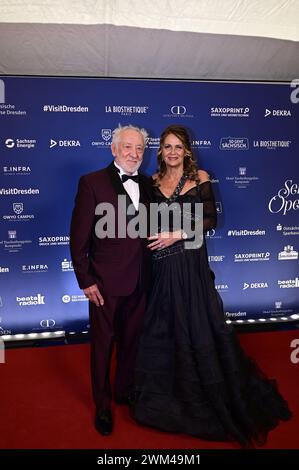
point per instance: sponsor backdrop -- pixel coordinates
(55, 129)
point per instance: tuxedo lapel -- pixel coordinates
(118, 186)
(115, 180)
(145, 190)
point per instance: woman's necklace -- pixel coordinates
(178, 189)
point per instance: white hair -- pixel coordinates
(116, 133)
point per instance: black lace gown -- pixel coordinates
(192, 375)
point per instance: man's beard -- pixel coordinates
(131, 169)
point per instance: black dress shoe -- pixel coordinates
(103, 422)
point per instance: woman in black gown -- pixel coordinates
(192, 375)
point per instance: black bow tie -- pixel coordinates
(125, 178)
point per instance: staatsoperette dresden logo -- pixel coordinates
(8, 109)
(2, 91)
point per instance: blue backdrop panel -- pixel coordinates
(55, 129)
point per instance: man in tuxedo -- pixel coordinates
(113, 272)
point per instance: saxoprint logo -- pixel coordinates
(223, 111)
(277, 112)
(53, 240)
(249, 257)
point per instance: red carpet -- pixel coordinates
(45, 400)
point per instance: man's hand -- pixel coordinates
(94, 295)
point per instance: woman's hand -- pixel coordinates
(164, 239)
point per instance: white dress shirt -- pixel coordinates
(131, 187)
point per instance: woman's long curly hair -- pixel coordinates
(190, 167)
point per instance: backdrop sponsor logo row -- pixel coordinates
(53, 130)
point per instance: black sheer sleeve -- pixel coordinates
(209, 206)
